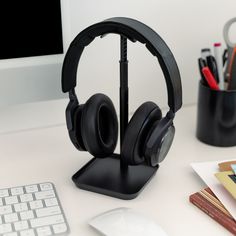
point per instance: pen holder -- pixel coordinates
(216, 116)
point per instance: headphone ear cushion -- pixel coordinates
(99, 126)
(137, 130)
(77, 128)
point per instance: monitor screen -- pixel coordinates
(30, 28)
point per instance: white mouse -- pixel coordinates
(125, 222)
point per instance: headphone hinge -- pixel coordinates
(170, 114)
(72, 96)
(70, 109)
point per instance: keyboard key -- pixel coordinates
(46, 186)
(49, 220)
(17, 191)
(32, 210)
(21, 207)
(45, 194)
(51, 202)
(10, 234)
(21, 225)
(31, 188)
(26, 215)
(5, 210)
(4, 193)
(5, 228)
(44, 231)
(29, 232)
(59, 228)
(26, 197)
(49, 211)
(11, 200)
(11, 218)
(36, 204)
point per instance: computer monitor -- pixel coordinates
(34, 38)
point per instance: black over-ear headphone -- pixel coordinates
(93, 126)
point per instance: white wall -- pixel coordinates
(186, 26)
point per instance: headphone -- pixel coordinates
(93, 126)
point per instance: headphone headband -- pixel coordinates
(135, 31)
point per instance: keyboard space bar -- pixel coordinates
(49, 220)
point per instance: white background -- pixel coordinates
(185, 25)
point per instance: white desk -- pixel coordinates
(34, 147)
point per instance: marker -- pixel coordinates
(205, 52)
(210, 78)
(219, 62)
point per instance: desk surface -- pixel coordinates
(34, 147)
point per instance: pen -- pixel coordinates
(210, 78)
(211, 63)
(225, 57)
(219, 62)
(201, 65)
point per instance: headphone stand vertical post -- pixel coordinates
(112, 176)
(124, 96)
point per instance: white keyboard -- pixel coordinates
(32, 210)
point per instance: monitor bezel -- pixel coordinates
(44, 59)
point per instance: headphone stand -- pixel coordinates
(112, 176)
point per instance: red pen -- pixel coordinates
(210, 78)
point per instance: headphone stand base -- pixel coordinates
(105, 176)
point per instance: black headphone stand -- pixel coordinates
(112, 176)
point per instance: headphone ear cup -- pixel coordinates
(137, 130)
(99, 126)
(77, 128)
(159, 141)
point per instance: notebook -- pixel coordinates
(210, 204)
